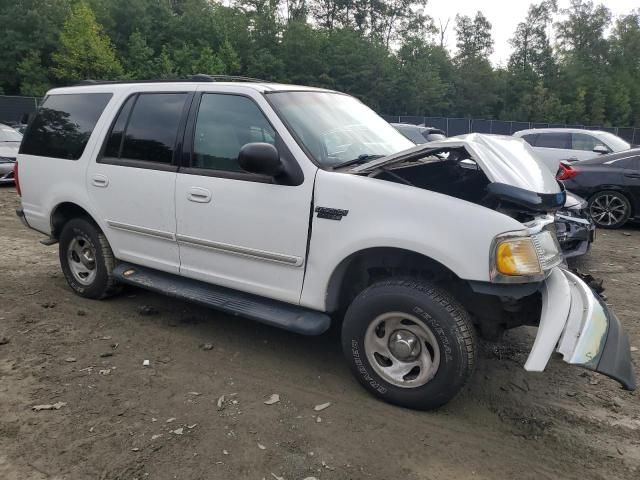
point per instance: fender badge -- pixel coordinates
(331, 213)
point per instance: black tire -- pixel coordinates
(434, 308)
(103, 284)
(621, 216)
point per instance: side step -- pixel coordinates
(264, 310)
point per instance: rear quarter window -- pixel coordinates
(63, 124)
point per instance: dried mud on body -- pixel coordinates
(192, 412)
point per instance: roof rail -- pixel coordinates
(200, 77)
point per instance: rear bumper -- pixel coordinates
(578, 325)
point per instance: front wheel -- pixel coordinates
(409, 343)
(609, 209)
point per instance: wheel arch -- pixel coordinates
(363, 267)
(65, 211)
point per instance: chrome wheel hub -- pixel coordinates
(402, 349)
(404, 345)
(81, 257)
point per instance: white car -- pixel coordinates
(553, 145)
(297, 207)
(9, 143)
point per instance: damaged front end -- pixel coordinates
(576, 323)
(526, 266)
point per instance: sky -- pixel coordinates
(504, 16)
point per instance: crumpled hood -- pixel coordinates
(506, 160)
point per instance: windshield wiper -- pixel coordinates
(365, 157)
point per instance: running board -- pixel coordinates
(264, 310)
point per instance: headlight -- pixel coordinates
(522, 257)
(517, 256)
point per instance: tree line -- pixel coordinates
(574, 65)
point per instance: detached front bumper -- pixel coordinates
(577, 324)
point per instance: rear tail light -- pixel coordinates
(565, 172)
(16, 179)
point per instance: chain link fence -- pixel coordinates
(16, 109)
(460, 126)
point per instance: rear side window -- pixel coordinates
(63, 124)
(146, 128)
(554, 140)
(530, 138)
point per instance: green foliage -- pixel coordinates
(84, 51)
(34, 81)
(386, 52)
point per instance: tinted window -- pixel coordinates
(530, 138)
(226, 123)
(153, 127)
(63, 124)
(412, 133)
(554, 140)
(582, 141)
(114, 142)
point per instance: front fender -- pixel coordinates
(378, 213)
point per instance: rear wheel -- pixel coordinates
(609, 209)
(409, 343)
(87, 260)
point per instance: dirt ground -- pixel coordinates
(121, 420)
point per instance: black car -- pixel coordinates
(419, 134)
(611, 185)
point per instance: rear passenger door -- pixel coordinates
(132, 182)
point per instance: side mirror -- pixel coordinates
(601, 149)
(260, 158)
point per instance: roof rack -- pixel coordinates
(200, 77)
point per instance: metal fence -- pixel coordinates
(459, 126)
(15, 109)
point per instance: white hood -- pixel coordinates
(503, 159)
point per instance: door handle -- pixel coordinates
(99, 181)
(632, 175)
(199, 195)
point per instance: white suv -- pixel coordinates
(296, 207)
(554, 145)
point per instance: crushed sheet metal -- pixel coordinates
(583, 339)
(556, 304)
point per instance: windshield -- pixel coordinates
(8, 134)
(337, 128)
(614, 142)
